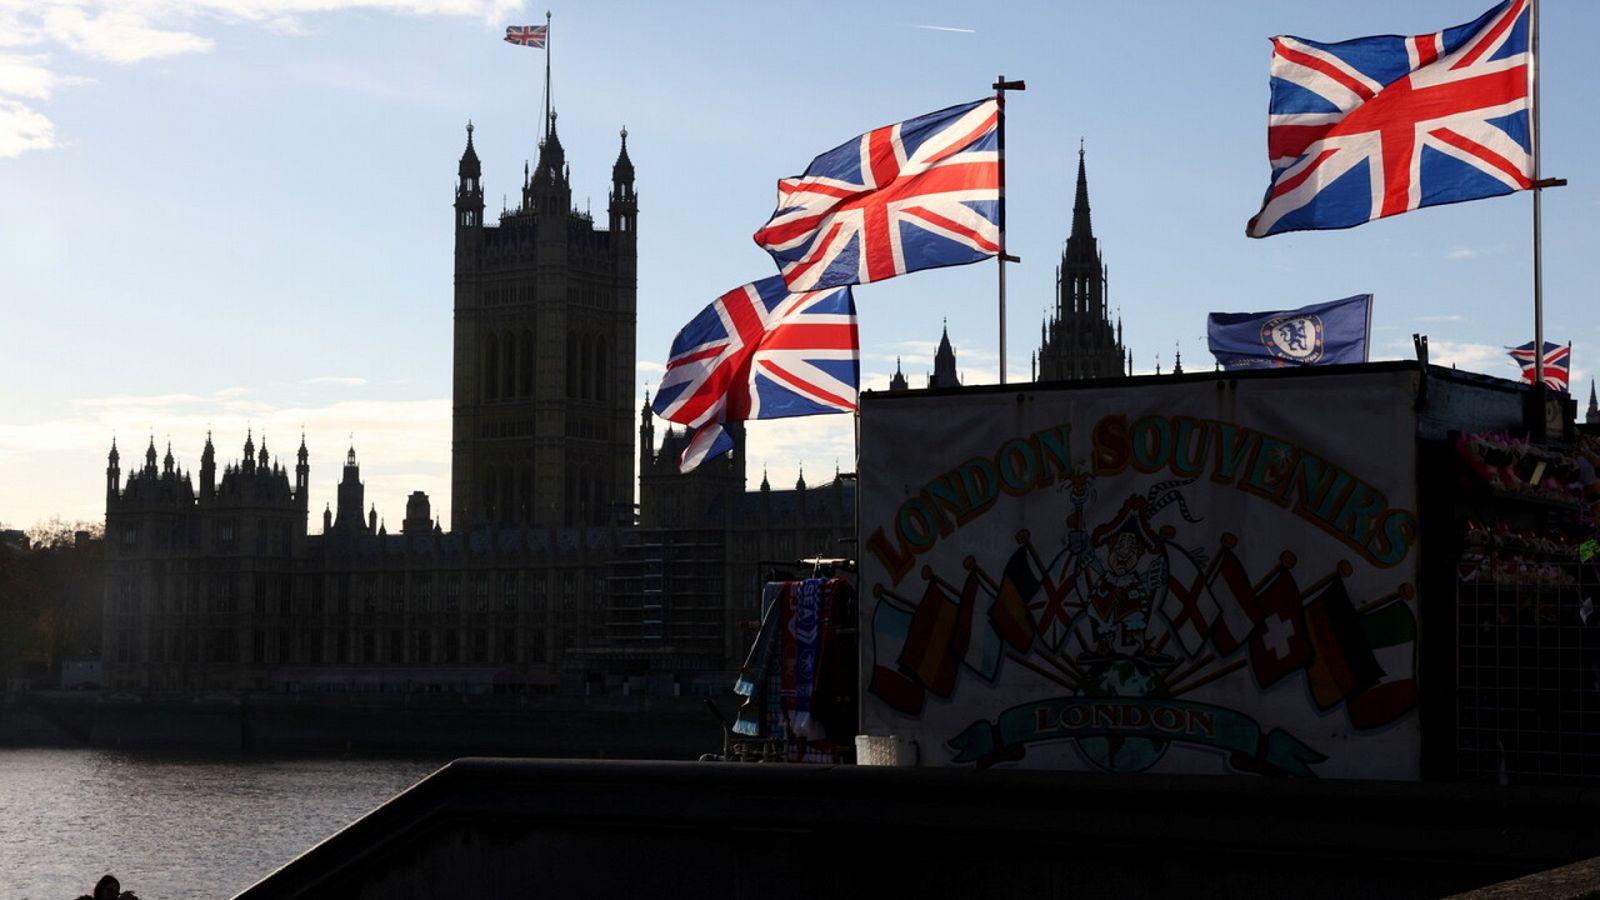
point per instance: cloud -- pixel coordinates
(946, 28)
(127, 32)
(230, 393)
(23, 128)
(1463, 253)
(1487, 359)
(1441, 318)
(347, 380)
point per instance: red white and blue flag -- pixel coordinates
(917, 194)
(760, 352)
(527, 35)
(1377, 126)
(1557, 361)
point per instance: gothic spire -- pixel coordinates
(1081, 228)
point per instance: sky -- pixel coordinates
(236, 214)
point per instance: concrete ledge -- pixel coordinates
(502, 828)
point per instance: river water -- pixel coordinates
(174, 827)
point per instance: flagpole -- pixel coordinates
(1538, 260)
(1001, 85)
(547, 51)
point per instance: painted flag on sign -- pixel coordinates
(1238, 611)
(918, 194)
(1557, 363)
(1280, 645)
(929, 655)
(1376, 126)
(1018, 585)
(979, 645)
(760, 352)
(1391, 633)
(1188, 604)
(1342, 664)
(891, 629)
(527, 35)
(1322, 334)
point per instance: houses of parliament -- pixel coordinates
(551, 579)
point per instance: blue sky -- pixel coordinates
(236, 213)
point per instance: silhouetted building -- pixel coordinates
(944, 364)
(1592, 416)
(1080, 341)
(546, 580)
(544, 350)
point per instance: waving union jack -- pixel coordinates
(917, 194)
(760, 352)
(1557, 361)
(527, 35)
(1377, 126)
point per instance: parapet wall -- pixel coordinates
(514, 828)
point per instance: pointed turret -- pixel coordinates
(624, 205)
(897, 382)
(469, 189)
(1592, 417)
(167, 462)
(1082, 230)
(150, 458)
(944, 363)
(647, 433)
(113, 470)
(265, 461)
(249, 451)
(548, 192)
(302, 473)
(350, 495)
(208, 469)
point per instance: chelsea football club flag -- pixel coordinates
(1323, 334)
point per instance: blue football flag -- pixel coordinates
(1323, 334)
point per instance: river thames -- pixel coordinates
(174, 827)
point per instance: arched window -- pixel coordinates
(508, 494)
(586, 388)
(491, 368)
(600, 371)
(525, 362)
(568, 517)
(572, 365)
(527, 494)
(508, 366)
(491, 492)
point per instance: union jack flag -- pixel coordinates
(527, 35)
(760, 352)
(1557, 359)
(1377, 126)
(917, 194)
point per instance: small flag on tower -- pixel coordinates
(1557, 358)
(527, 35)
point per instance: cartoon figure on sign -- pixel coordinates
(1124, 566)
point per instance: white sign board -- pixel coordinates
(1204, 577)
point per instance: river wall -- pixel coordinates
(525, 725)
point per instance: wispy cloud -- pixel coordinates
(1441, 318)
(1463, 253)
(127, 32)
(946, 28)
(347, 380)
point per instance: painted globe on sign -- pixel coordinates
(1122, 678)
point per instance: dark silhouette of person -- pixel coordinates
(109, 888)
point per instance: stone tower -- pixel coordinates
(544, 347)
(1080, 340)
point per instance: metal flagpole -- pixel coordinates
(1001, 85)
(546, 77)
(1538, 262)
